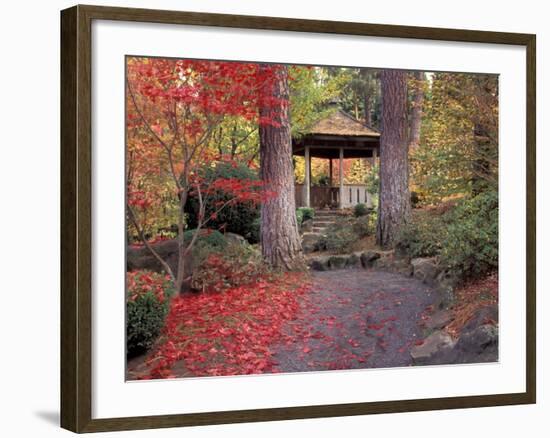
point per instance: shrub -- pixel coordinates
(299, 217)
(253, 236)
(470, 247)
(308, 213)
(365, 225)
(237, 218)
(338, 239)
(422, 236)
(207, 237)
(147, 301)
(360, 210)
(238, 265)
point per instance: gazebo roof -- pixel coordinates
(341, 123)
(338, 130)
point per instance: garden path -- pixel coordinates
(355, 319)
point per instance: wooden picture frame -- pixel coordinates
(76, 218)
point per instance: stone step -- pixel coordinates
(319, 230)
(323, 223)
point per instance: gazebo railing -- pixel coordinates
(329, 196)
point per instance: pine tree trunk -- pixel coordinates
(416, 112)
(279, 238)
(394, 206)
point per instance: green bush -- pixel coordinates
(307, 213)
(360, 210)
(465, 238)
(470, 247)
(148, 296)
(338, 239)
(299, 217)
(422, 236)
(207, 237)
(253, 236)
(237, 218)
(365, 225)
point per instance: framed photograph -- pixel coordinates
(270, 218)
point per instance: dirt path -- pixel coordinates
(355, 319)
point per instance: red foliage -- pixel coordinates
(228, 333)
(142, 282)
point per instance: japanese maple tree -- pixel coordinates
(173, 109)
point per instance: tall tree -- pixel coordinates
(416, 108)
(394, 206)
(280, 241)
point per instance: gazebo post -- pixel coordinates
(330, 172)
(341, 177)
(307, 185)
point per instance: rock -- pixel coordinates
(432, 345)
(319, 264)
(353, 261)
(485, 315)
(445, 284)
(439, 320)
(337, 262)
(368, 258)
(235, 239)
(481, 341)
(307, 225)
(142, 258)
(425, 269)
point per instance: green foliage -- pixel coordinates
(459, 137)
(360, 210)
(299, 217)
(470, 247)
(310, 89)
(465, 238)
(207, 237)
(307, 213)
(372, 179)
(339, 239)
(147, 301)
(422, 236)
(365, 225)
(253, 236)
(237, 218)
(208, 242)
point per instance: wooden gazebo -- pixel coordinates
(337, 136)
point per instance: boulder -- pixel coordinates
(353, 261)
(445, 284)
(368, 258)
(479, 345)
(433, 345)
(439, 320)
(337, 262)
(425, 269)
(319, 264)
(485, 315)
(142, 258)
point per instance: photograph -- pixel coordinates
(289, 218)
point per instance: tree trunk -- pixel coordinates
(416, 112)
(279, 238)
(394, 206)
